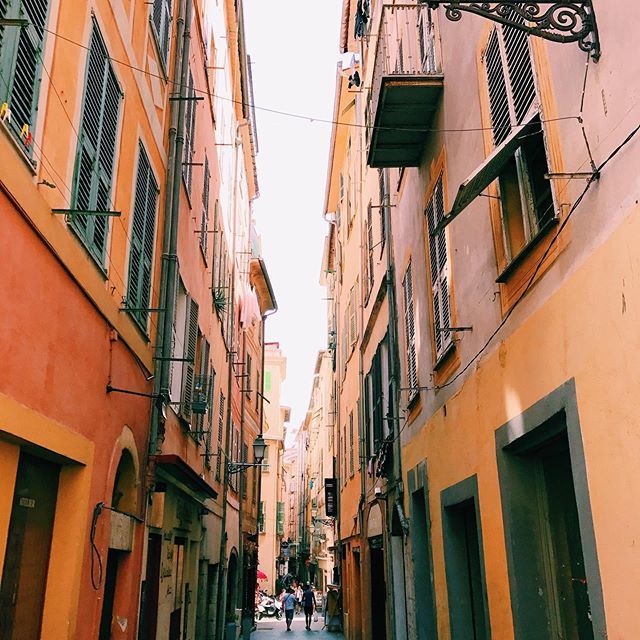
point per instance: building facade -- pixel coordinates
(128, 174)
(489, 207)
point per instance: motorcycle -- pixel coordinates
(269, 607)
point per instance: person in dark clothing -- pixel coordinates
(309, 602)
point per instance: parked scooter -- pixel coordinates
(269, 607)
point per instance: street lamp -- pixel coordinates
(259, 448)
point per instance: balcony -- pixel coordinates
(405, 88)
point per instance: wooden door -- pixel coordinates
(26, 564)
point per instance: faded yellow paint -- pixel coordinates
(458, 440)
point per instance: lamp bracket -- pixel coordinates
(559, 21)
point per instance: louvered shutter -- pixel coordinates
(189, 129)
(142, 236)
(220, 432)
(353, 317)
(439, 265)
(369, 258)
(97, 147)
(498, 100)
(521, 82)
(210, 414)
(161, 18)
(378, 400)
(204, 223)
(410, 332)
(190, 345)
(383, 193)
(351, 443)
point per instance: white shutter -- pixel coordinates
(439, 264)
(410, 332)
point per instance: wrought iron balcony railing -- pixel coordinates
(405, 88)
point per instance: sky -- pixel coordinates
(294, 52)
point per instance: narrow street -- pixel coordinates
(271, 629)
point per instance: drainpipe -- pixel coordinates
(222, 592)
(168, 279)
(241, 476)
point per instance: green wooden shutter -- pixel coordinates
(204, 222)
(190, 345)
(142, 237)
(161, 20)
(21, 61)
(96, 147)
(189, 127)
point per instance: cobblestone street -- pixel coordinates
(271, 629)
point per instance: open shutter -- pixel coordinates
(496, 82)
(439, 264)
(190, 344)
(210, 415)
(520, 69)
(353, 317)
(142, 237)
(220, 435)
(410, 333)
(204, 223)
(189, 127)
(161, 18)
(97, 147)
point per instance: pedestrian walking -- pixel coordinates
(298, 597)
(289, 604)
(309, 602)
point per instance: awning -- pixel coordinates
(486, 173)
(174, 466)
(260, 281)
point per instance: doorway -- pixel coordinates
(24, 576)
(175, 618)
(378, 590)
(151, 589)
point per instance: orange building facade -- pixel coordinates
(132, 323)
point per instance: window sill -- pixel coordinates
(526, 251)
(444, 356)
(29, 162)
(95, 261)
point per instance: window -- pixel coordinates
(189, 131)
(161, 20)
(525, 195)
(21, 62)
(202, 388)
(351, 443)
(344, 455)
(96, 148)
(261, 517)
(244, 477)
(280, 519)
(383, 193)
(375, 401)
(439, 267)
(410, 333)
(369, 273)
(247, 376)
(189, 353)
(353, 316)
(220, 434)
(210, 416)
(143, 227)
(204, 221)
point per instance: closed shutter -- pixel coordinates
(280, 519)
(210, 415)
(143, 229)
(21, 52)
(220, 432)
(370, 275)
(161, 18)
(189, 129)
(351, 443)
(204, 222)
(439, 264)
(383, 193)
(378, 400)
(190, 345)
(217, 243)
(97, 147)
(410, 333)
(353, 317)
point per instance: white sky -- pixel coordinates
(294, 49)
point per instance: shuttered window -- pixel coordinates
(96, 148)
(161, 20)
(220, 434)
(189, 130)
(21, 51)
(439, 267)
(410, 332)
(383, 193)
(143, 228)
(377, 399)
(204, 221)
(369, 264)
(510, 80)
(210, 415)
(190, 346)
(351, 443)
(353, 316)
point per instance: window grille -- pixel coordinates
(96, 147)
(439, 264)
(143, 227)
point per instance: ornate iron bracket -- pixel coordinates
(558, 21)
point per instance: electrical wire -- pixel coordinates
(288, 114)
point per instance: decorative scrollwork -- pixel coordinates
(559, 21)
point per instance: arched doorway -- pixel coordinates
(124, 497)
(232, 583)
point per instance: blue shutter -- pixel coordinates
(143, 228)
(96, 147)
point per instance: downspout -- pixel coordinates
(242, 480)
(168, 278)
(222, 592)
